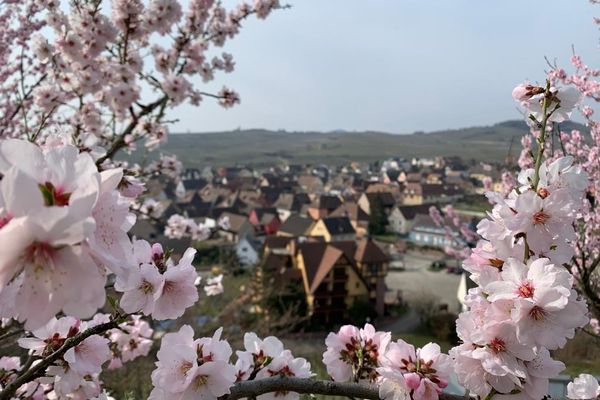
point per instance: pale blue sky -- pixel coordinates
(393, 65)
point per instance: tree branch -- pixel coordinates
(10, 334)
(120, 140)
(40, 368)
(251, 389)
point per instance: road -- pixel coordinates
(417, 281)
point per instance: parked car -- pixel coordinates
(438, 265)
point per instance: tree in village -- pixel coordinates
(84, 80)
(378, 219)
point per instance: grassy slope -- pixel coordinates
(257, 146)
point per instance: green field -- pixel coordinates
(261, 147)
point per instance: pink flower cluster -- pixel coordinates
(420, 373)
(264, 358)
(63, 225)
(353, 354)
(192, 369)
(584, 146)
(132, 339)
(367, 356)
(156, 285)
(167, 165)
(86, 70)
(584, 387)
(179, 226)
(77, 373)
(560, 103)
(525, 303)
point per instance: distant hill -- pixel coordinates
(264, 147)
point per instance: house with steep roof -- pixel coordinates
(332, 282)
(358, 217)
(333, 229)
(194, 183)
(425, 232)
(373, 265)
(237, 226)
(281, 268)
(401, 218)
(324, 206)
(295, 226)
(280, 244)
(310, 183)
(265, 220)
(247, 250)
(288, 203)
(420, 193)
(386, 199)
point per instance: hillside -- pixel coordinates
(258, 146)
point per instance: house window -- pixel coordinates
(357, 285)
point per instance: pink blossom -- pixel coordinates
(474, 377)
(544, 221)
(141, 289)
(354, 354)
(50, 336)
(9, 368)
(214, 286)
(110, 243)
(176, 88)
(523, 92)
(539, 370)
(500, 350)
(533, 281)
(284, 365)
(133, 339)
(424, 372)
(585, 386)
(542, 323)
(178, 291)
(192, 368)
(88, 356)
(560, 103)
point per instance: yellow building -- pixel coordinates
(333, 229)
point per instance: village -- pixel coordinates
(353, 240)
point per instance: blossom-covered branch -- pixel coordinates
(40, 369)
(71, 100)
(308, 386)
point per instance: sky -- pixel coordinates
(395, 66)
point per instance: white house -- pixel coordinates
(463, 288)
(247, 251)
(401, 218)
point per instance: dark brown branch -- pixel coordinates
(251, 389)
(39, 369)
(120, 141)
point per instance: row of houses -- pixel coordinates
(312, 225)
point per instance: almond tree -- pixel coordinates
(78, 87)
